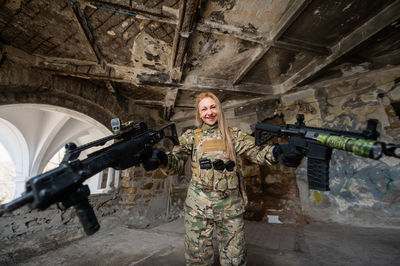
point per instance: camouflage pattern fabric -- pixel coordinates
(203, 209)
(215, 196)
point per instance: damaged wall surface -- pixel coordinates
(336, 62)
(363, 191)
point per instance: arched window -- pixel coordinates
(7, 173)
(35, 134)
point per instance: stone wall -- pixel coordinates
(150, 198)
(364, 192)
(272, 190)
(26, 232)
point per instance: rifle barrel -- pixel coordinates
(363, 147)
(392, 150)
(18, 202)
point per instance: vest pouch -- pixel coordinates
(224, 180)
(231, 179)
(220, 183)
(206, 179)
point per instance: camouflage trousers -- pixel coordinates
(199, 226)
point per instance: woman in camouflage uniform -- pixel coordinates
(215, 193)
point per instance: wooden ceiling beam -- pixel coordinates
(384, 18)
(257, 55)
(169, 104)
(285, 21)
(190, 8)
(301, 47)
(92, 70)
(148, 102)
(84, 26)
(292, 45)
(196, 83)
(138, 11)
(207, 26)
(77, 68)
(176, 71)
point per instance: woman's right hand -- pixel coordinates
(153, 161)
(286, 155)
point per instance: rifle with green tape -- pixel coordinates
(317, 143)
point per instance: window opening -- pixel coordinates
(7, 173)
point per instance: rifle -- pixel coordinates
(317, 143)
(64, 184)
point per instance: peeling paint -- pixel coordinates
(395, 93)
(217, 16)
(318, 196)
(347, 7)
(351, 70)
(151, 57)
(227, 4)
(145, 78)
(111, 32)
(244, 46)
(125, 36)
(13, 4)
(249, 28)
(149, 51)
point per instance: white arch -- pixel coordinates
(33, 133)
(14, 142)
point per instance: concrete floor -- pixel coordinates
(268, 244)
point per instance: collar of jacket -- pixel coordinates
(206, 127)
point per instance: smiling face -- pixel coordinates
(208, 111)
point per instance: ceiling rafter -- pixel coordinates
(175, 43)
(74, 67)
(301, 47)
(91, 70)
(197, 83)
(84, 26)
(185, 30)
(220, 29)
(138, 11)
(285, 21)
(169, 104)
(149, 102)
(384, 18)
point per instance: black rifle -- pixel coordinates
(64, 184)
(317, 143)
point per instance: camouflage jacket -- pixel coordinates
(209, 145)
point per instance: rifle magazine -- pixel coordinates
(318, 174)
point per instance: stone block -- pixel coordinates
(148, 174)
(128, 190)
(148, 195)
(158, 174)
(147, 186)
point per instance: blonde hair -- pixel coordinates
(222, 125)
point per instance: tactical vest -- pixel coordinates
(212, 179)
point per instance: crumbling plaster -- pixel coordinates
(363, 191)
(258, 16)
(240, 50)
